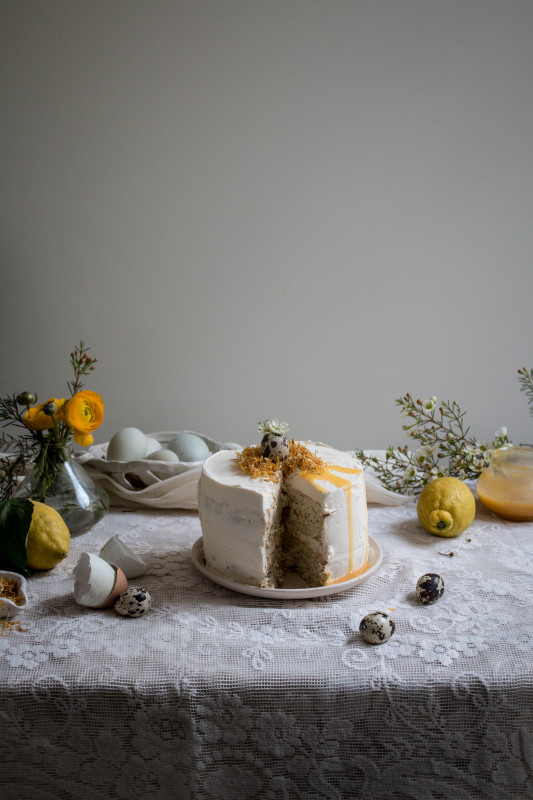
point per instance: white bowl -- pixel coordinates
(7, 607)
(135, 475)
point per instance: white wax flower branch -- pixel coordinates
(444, 447)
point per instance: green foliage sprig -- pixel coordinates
(81, 363)
(35, 446)
(16, 451)
(445, 447)
(525, 380)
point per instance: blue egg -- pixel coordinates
(189, 447)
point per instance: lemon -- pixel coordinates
(446, 507)
(48, 539)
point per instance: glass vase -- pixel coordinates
(80, 501)
(506, 486)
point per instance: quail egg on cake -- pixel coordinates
(377, 627)
(429, 588)
(274, 446)
(134, 602)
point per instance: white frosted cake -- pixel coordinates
(312, 520)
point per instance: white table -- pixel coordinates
(215, 694)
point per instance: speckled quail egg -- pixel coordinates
(377, 627)
(429, 588)
(134, 602)
(274, 446)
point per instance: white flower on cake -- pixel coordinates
(273, 426)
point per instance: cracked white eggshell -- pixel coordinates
(115, 551)
(96, 583)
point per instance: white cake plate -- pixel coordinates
(294, 587)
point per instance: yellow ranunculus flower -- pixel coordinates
(84, 412)
(36, 420)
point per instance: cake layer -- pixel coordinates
(239, 517)
(338, 490)
(315, 522)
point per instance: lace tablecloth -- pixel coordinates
(215, 694)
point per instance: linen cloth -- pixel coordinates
(216, 695)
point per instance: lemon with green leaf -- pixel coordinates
(446, 507)
(33, 536)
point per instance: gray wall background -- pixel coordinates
(286, 208)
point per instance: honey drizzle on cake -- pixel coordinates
(326, 474)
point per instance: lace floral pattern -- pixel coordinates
(215, 694)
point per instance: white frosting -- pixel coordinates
(236, 512)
